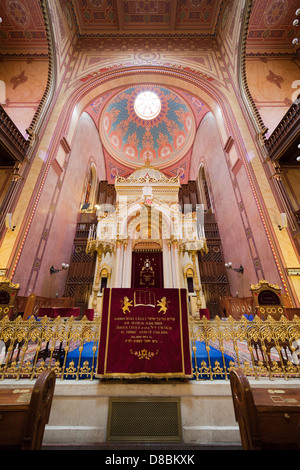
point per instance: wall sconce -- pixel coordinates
(283, 221)
(54, 271)
(8, 222)
(85, 206)
(238, 270)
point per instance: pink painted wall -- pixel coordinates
(50, 238)
(25, 82)
(274, 84)
(242, 234)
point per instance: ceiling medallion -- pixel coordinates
(147, 105)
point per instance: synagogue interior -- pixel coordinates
(150, 217)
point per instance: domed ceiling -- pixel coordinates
(147, 123)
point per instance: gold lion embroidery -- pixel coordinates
(126, 304)
(162, 303)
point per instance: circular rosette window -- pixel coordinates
(147, 105)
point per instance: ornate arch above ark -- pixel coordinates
(145, 246)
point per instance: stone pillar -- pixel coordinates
(118, 264)
(175, 264)
(127, 263)
(167, 264)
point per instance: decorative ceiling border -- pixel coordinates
(245, 92)
(49, 90)
(36, 122)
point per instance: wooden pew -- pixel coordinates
(268, 418)
(25, 412)
(30, 305)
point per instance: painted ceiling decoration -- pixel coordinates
(22, 30)
(98, 16)
(271, 27)
(167, 137)
(130, 138)
(116, 166)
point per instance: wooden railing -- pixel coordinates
(288, 126)
(260, 348)
(12, 136)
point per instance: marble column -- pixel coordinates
(167, 264)
(127, 263)
(118, 264)
(175, 264)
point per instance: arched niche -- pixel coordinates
(90, 188)
(204, 193)
(162, 226)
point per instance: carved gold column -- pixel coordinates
(101, 248)
(197, 287)
(192, 249)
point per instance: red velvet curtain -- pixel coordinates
(147, 270)
(144, 333)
